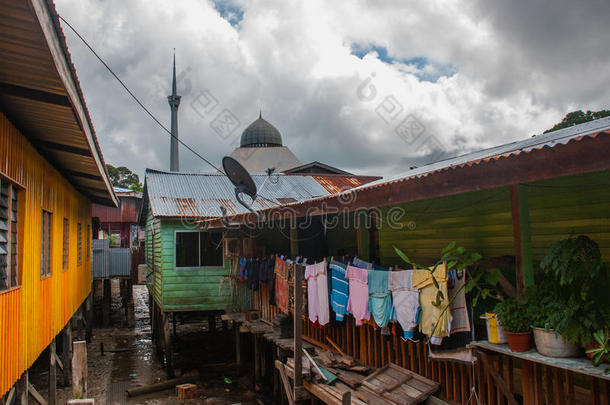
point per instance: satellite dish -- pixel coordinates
(242, 181)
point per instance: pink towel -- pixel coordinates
(317, 293)
(358, 302)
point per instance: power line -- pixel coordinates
(134, 96)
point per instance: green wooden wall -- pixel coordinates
(184, 289)
(481, 221)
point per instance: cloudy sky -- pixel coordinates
(371, 87)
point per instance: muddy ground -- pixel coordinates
(130, 360)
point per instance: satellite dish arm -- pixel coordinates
(242, 202)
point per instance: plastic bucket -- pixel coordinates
(495, 331)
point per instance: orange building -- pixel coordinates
(51, 171)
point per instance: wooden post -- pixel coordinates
(522, 237)
(66, 358)
(294, 238)
(363, 234)
(257, 366)
(237, 343)
(526, 382)
(88, 319)
(298, 329)
(21, 389)
(131, 316)
(106, 301)
(79, 369)
(167, 345)
(52, 374)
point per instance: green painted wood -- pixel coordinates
(188, 289)
(364, 237)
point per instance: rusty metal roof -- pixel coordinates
(196, 195)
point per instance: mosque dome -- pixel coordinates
(260, 134)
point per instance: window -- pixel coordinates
(198, 249)
(9, 194)
(79, 244)
(45, 260)
(88, 243)
(64, 263)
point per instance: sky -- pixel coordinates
(372, 87)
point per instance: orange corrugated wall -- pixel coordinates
(35, 312)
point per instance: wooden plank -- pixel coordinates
(285, 382)
(36, 395)
(558, 387)
(522, 236)
(52, 374)
(497, 379)
(595, 392)
(299, 272)
(79, 369)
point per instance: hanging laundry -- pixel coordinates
(406, 301)
(431, 314)
(459, 310)
(253, 273)
(242, 269)
(317, 293)
(380, 300)
(357, 262)
(281, 285)
(339, 289)
(358, 301)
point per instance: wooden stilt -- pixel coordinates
(174, 323)
(66, 357)
(167, 345)
(21, 389)
(52, 374)
(79, 369)
(257, 366)
(131, 316)
(106, 301)
(237, 343)
(88, 319)
(212, 323)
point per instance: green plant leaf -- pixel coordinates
(402, 255)
(435, 283)
(448, 248)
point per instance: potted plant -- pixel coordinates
(516, 319)
(571, 297)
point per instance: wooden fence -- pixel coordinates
(549, 385)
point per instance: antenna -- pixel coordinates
(242, 181)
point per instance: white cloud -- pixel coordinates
(515, 71)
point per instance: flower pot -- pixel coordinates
(551, 344)
(495, 331)
(519, 341)
(595, 345)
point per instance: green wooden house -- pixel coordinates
(187, 268)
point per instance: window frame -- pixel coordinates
(13, 253)
(44, 249)
(221, 265)
(65, 253)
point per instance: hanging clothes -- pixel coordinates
(253, 274)
(281, 285)
(431, 315)
(380, 300)
(339, 289)
(242, 269)
(460, 321)
(271, 278)
(358, 301)
(406, 301)
(317, 293)
(357, 262)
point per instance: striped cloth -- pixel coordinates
(339, 289)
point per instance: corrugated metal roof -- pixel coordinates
(548, 140)
(171, 194)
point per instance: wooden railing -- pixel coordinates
(457, 380)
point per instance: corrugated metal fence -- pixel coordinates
(110, 262)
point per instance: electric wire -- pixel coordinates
(134, 96)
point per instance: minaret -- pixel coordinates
(174, 102)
